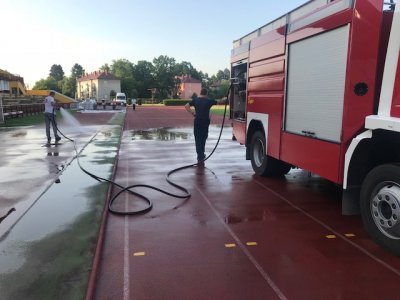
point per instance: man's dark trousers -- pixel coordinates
(200, 136)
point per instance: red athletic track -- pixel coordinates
(239, 236)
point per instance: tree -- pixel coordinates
(68, 86)
(164, 74)
(105, 67)
(225, 74)
(205, 80)
(223, 89)
(137, 80)
(143, 76)
(46, 84)
(222, 81)
(186, 68)
(56, 71)
(123, 69)
(77, 71)
(134, 93)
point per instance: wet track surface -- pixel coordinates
(239, 236)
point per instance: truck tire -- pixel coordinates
(263, 164)
(380, 206)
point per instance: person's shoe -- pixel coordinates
(58, 139)
(200, 163)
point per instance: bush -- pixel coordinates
(176, 102)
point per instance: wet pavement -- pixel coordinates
(239, 236)
(47, 243)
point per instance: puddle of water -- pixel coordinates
(19, 134)
(170, 134)
(232, 219)
(255, 217)
(160, 134)
(25, 132)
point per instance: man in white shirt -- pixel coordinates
(50, 117)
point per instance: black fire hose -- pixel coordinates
(149, 205)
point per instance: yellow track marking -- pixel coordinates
(251, 243)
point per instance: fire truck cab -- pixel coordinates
(318, 89)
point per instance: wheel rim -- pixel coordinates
(258, 153)
(385, 209)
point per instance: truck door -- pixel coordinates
(316, 83)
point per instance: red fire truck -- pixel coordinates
(319, 89)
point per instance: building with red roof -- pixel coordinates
(97, 85)
(187, 86)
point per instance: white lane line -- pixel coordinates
(264, 274)
(327, 227)
(126, 244)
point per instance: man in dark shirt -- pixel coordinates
(202, 105)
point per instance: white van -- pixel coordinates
(120, 98)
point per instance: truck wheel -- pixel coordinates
(380, 206)
(263, 164)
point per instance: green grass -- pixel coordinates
(27, 120)
(24, 121)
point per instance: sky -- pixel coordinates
(40, 33)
